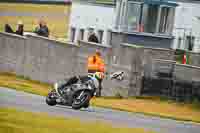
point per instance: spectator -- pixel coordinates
(93, 37)
(20, 28)
(8, 28)
(42, 29)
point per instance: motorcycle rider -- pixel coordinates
(96, 65)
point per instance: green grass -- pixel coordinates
(154, 106)
(58, 26)
(104, 2)
(24, 84)
(134, 45)
(17, 121)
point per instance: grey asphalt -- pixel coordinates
(35, 103)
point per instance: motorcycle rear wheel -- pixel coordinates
(83, 102)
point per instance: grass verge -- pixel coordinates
(163, 109)
(150, 106)
(24, 84)
(16, 121)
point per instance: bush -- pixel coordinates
(118, 95)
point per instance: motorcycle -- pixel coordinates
(78, 90)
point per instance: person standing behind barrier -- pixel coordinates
(20, 28)
(8, 28)
(96, 64)
(42, 29)
(93, 37)
(19, 31)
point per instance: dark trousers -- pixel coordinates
(100, 88)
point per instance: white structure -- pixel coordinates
(101, 18)
(85, 16)
(187, 23)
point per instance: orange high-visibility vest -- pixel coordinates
(91, 64)
(101, 65)
(97, 65)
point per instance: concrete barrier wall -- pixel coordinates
(176, 81)
(155, 53)
(186, 83)
(49, 60)
(159, 77)
(187, 72)
(159, 53)
(194, 59)
(11, 52)
(129, 60)
(111, 87)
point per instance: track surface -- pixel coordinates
(35, 103)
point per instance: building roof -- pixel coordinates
(162, 2)
(172, 3)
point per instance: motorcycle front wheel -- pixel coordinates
(82, 102)
(50, 99)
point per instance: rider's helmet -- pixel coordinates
(99, 75)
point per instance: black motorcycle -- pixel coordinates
(77, 91)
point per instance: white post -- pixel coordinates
(117, 13)
(106, 37)
(96, 32)
(158, 19)
(172, 19)
(76, 35)
(69, 35)
(86, 34)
